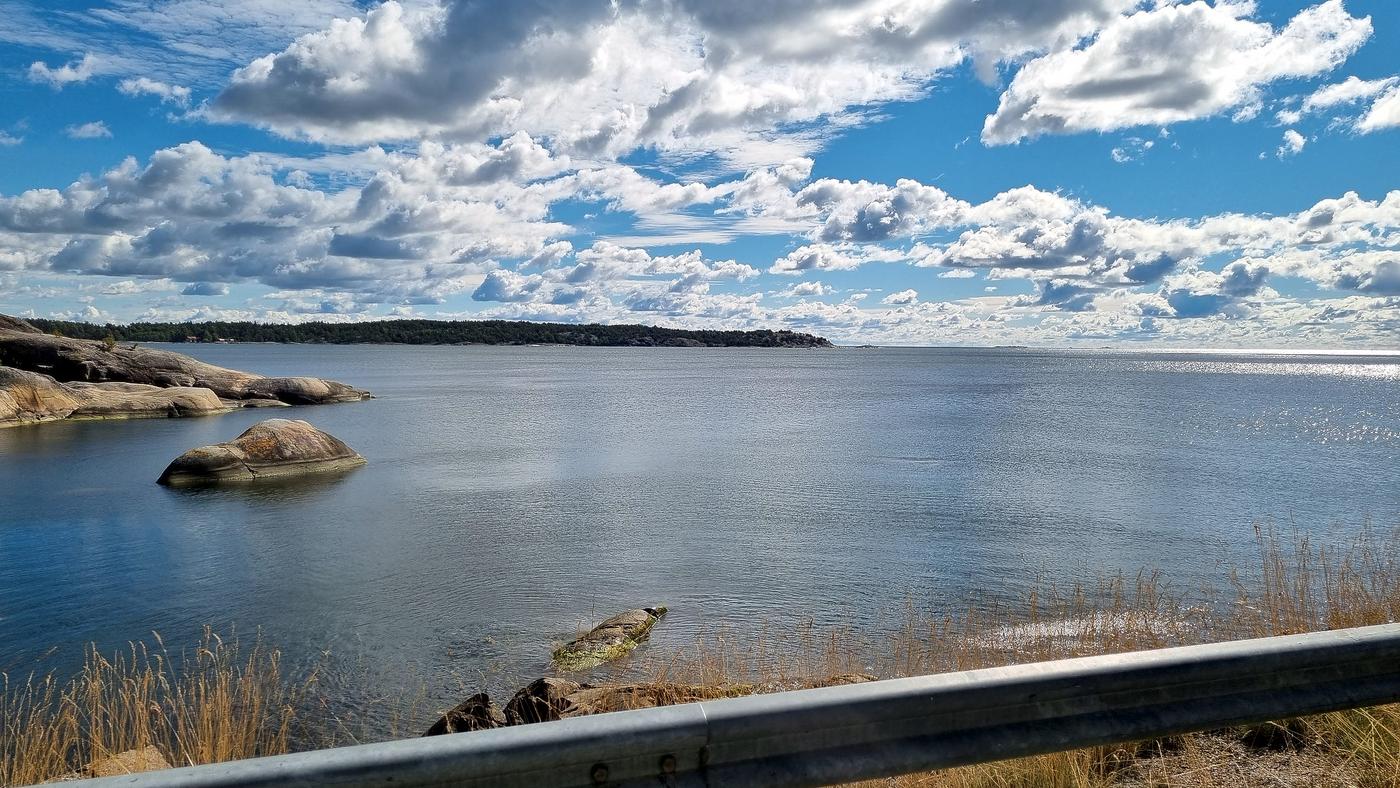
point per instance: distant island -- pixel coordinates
(432, 332)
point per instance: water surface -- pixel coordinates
(514, 493)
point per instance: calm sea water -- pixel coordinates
(513, 494)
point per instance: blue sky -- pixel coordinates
(1044, 172)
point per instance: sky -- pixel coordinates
(916, 172)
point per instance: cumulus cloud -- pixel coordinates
(88, 131)
(205, 289)
(57, 77)
(145, 86)
(1293, 143)
(419, 228)
(910, 296)
(1169, 64)
(805, 289)
(602, 78)
(9, 140)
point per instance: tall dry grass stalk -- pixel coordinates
(220, 702)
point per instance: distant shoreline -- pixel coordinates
(432, 332)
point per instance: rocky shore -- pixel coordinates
(548, 699)
(49, 378)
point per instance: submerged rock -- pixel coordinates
(609, 640)
(67, 360)
(276, 448)
(476, 713)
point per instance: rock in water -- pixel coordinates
(276, 448)
(476, 713)
(609, 640)
(24, 347)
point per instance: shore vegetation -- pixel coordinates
(225, 700)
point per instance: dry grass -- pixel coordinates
(221, 703)
(1297, 587)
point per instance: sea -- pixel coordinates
(516, 494)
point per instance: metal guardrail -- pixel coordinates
(863, 731)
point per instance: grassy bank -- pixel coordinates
(223, 700)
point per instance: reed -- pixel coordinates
(221, 701)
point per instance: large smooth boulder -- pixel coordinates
(276, 448)
(68, 360)
(609, 640)
(28, 397)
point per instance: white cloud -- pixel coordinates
(1347, 91)
(88, 131)
(57, 77)
(1293, 143)
(145, 86)
(1169, 64)
(805, 289)
(601, 78)
(901, 298)
(1384, 114)
(415, 228)
(8, 140)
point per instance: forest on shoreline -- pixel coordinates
(432, 332)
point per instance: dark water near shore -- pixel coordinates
(515, 493)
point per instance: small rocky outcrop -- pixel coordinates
(67, 360)
(476, 713)
(609, 640)
(276, 448)
(542, 700)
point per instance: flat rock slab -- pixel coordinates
(272, 449)
(68, 360)
(609, 640)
